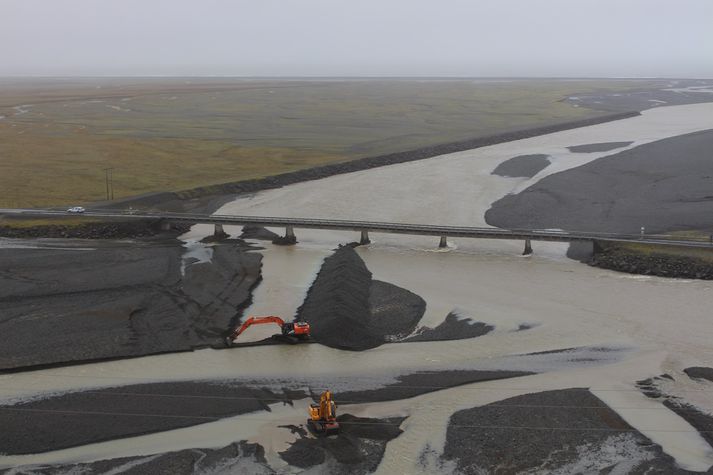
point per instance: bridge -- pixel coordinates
(365, 227)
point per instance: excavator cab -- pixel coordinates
(323, 416)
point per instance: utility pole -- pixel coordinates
(107, 174)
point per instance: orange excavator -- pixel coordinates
(323, 416)
(291, 332)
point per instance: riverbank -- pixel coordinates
(105, 229)
(85, 300)
(649, 259)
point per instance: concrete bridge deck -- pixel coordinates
(364, 227)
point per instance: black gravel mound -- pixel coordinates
(357, 448)
(522, 166)
(117, 300)
(395, 311)
(570, 430)
(238, 457)
(452, 328)
(699, 372)
(598, 147)
(349, 310)
(665, 185)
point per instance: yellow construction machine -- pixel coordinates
(323, 416)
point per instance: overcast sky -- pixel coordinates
(574, 38)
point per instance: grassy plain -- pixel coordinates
(57, 135)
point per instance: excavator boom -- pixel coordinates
(291, 331)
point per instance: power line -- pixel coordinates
(269, 400)
(256, 384)
(243, 416)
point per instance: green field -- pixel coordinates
(174, 134)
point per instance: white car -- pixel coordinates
(76, 209)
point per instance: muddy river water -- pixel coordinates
(638, 326)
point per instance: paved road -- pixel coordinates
(368, 226)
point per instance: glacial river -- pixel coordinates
(650, 325)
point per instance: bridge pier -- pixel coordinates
(218, 231)
(443, 242)
(165, 225)
(364, 237)
(528, 248)
(290, 237)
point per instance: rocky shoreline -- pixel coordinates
(95, 230)
(655, 263)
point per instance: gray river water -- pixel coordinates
(649, 325)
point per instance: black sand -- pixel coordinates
(452, 328)
(93, 416)
(598, 147)
(120, 299)
(699, 420)
(547, 431)
(349, 310)
(358, 448)
(238, 457)
(700, 372)
(522, 166)
(84, 417)
(422, 382)
(664, 186)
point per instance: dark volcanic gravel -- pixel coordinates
(239, 457)
(699, 420)
(699, 372)
(663, 186)
(568, 430)
(258, 232)
(117, 300)
(103, 230)
(598, 147)
(84, 417)
(415, 384)
(349, 310)
(452, 328)
(651, 263)
(522, 166)
(358, 448)
(92, 416)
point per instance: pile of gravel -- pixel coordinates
(350, 311)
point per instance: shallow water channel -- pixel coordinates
(646, 325)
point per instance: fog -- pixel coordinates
(570, 38)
